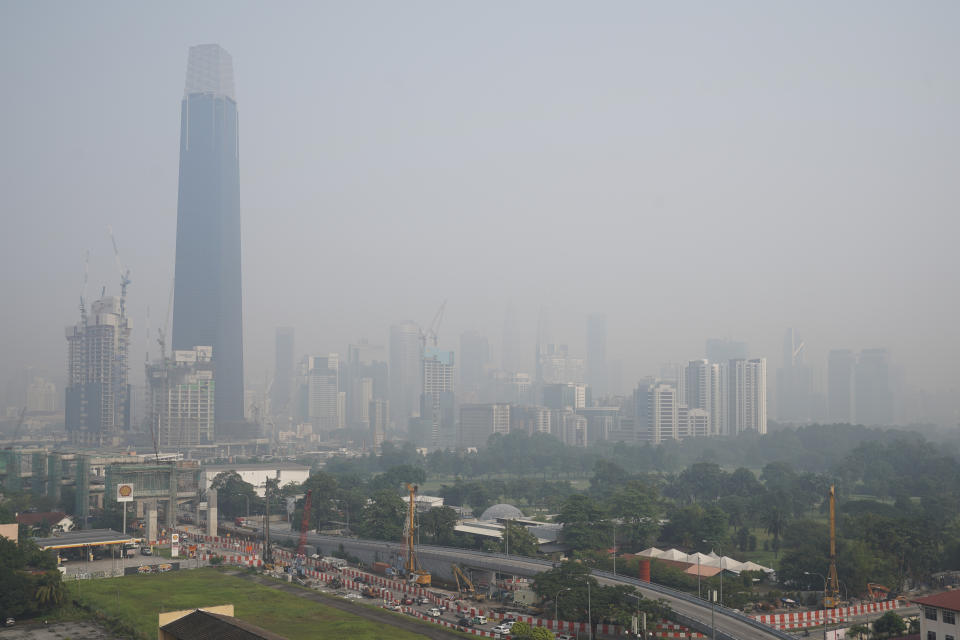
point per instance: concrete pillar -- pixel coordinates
(151, 529)
(212, 512)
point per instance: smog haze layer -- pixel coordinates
(691, 170)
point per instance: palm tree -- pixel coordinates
(775, 521)
(49, 590)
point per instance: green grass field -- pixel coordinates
(136, 601)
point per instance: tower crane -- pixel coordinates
(16, 429)
(431, 332)
(124, 272)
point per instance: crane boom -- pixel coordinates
(414, 572)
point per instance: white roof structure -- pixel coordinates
(705, 560)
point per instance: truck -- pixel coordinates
(338, 563)
(382, 568)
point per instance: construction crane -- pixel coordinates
(831, 594)
(431, 332)
(464, 585)
(124, 272)
(303, 532)
(415, 573)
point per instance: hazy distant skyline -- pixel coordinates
(690, 170)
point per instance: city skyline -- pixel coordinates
(332, 156)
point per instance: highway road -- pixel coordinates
(689, 610)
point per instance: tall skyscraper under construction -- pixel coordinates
(97, 408)
(207, 303)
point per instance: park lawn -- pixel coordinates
(137, 600)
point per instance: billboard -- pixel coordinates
(124, 492)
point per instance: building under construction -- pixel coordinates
(181, 399)
(97, 410)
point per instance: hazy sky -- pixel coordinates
(691, 169)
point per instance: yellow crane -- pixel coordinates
(464, 585)
(415, 573)
(831, 594)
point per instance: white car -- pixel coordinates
(434, 612)
(501, 628)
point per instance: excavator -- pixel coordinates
(415, 573)
(464, 586)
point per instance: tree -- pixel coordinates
(521, 630)
(49, 591)
(541, 633)
(637, 504)
(859, 630)
(521, 541)
(383, 517)
(889, 624)
(584, 525)
(438, 523)
(233, 494)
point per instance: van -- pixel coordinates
(479, 619)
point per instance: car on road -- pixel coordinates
(9, 622)
(501, 628)
(395, 606)
(479, 619)
(433, 612)
(563, 636)
(423, 600)
(465, 622)
(407, 600)
(146, 551)
(353, 596)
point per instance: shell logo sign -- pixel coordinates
(125, 492)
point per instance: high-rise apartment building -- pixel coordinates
(180, 405)
(873, 396)
(480, 421)
(207, 302)
(366, 380)
(597, 353)
(437, 400)
(794, 382)
(747, 396)
(474, 361)
(656, 411)
(322, 381)
(41, 395)
(405, 372)
(281, 393)
(97, 409)
(530, 419)
(840, 390)
(379, 418)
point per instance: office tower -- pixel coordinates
(747, 396)
(437, 400)
(656, 411)
(704, 387)
(873, 398)
(474, 361)
(405, 381)
(180, 405)
(379, 418)
(556, 366)
(283, 372)
(510, 346)
(570, 428)
(207, 307)
(530, 420)
(480, 421)
(724, 350)
(366, 380)
(794, 382)
(597, 353)
(97, 409)
(603, 423)
(840, 368)
(323, 391)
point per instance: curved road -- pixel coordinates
(689, 610)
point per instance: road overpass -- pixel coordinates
(688, 610)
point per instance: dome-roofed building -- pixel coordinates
(502, 512)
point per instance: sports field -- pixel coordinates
(137, 600)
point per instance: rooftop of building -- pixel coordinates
(84, 538)
(204, 625)
(39, 517)
(946, 600)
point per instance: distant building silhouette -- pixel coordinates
(840, 369)
(597, 353)
(283, 372)
(207, 303)
(405, 373)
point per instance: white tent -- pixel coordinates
(652, 552)
(674, 554)
(703, 559)
(730, 564)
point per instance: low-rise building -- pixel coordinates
(938, 616)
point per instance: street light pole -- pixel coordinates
(814, 573)
(556, 607)
(590, 614)
(713, 542)
(614, 547)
